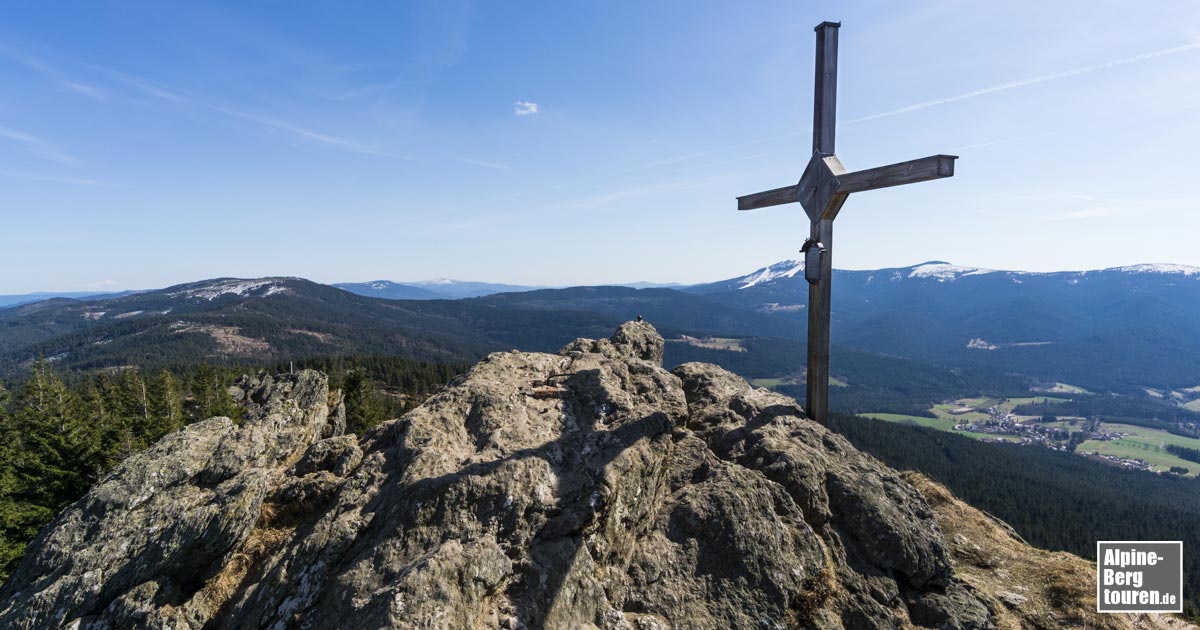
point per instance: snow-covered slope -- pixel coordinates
(785, 269)
(213, 289)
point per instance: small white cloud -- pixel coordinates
(525, 108)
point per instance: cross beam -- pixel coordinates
(822, 190)
(910, 172)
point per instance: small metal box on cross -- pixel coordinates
(822, 190)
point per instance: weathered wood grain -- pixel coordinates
(825, 89)
(776, 197)
(816, 393)
(910, 172)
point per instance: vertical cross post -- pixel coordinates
(816, 391)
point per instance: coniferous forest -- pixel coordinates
(62, 431)
(1055, 500)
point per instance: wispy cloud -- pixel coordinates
(85, 89)
(37, 146)
(648, 191)
(302, 132)
(184, 97)
(525, 108)
(492, 165)
(1100, 208)
(991, 143)
(56, 76)
(53, 179)
(1011, 85)
(363, 91)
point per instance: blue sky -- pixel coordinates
(145, 144)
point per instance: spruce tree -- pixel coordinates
(13, 528)
(57, 450)
(211, 395)
(363, 410)
(166, 407)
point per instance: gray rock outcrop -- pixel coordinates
(587, 489)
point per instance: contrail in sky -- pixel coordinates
(1032, 81)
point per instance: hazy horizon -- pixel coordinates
(562, 145)
(114, 289)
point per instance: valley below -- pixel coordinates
(1125, 445)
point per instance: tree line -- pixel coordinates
(1183, 452)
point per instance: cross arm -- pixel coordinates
(840, 183)
(910, 172)
(776, 197)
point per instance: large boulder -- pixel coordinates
(586, 489)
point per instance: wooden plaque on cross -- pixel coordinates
(822, 190)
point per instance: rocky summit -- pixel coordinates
(586, 489)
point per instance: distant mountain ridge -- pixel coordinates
(937, 270)
(1131, 329)
(40, 296)
(446, 289)
(1114, 327)
(274, 318)
(436, 289)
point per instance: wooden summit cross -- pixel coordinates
(822, 190)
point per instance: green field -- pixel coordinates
(943, 411)
(1141, 443)
(1158, 459)
(1012, 403)
(1065, 388)
(1064, 423)
(1194, 405)
(1144, 444)
(772, 383)
(714, 343)
(940, 423)
(981, 403)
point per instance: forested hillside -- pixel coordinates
(1055, 500)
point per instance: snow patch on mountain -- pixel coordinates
(785, 269)
(943, 272)
(263, 287)
(1161, 268)
(436, 282)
